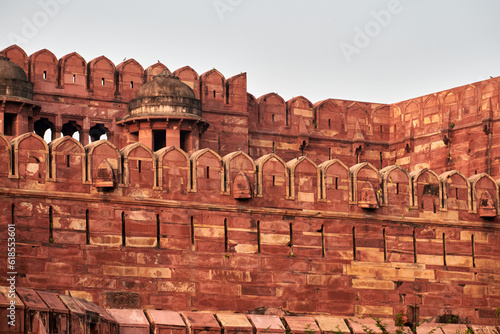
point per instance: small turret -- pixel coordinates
(165, 112)
(16, 94)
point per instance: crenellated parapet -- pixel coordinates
(102, 79)
(170, 173)
(239, 233)
(445, 110)
(188, 189)
(92, 98)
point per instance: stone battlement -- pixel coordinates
(203, 197)
(458, 120)
(100, 168)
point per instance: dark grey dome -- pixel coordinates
(165, 84)
(13, 80)
(165, 96)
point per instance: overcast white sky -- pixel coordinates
(367, 50)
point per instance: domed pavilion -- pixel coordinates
(16, 96)
(165, 112)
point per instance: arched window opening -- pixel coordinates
(71, 129)
(97, 132)
(45, 129)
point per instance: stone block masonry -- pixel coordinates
(337, 208)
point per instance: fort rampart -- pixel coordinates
(336, 207)
(203, 232)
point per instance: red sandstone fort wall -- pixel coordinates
(320, 239)
(337, 207)
(453, 129)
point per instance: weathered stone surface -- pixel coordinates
(332, 325)
(266, 323)
(301, 325)
(131, 321)
(234, 323)
(335, 207)
(122, 300)
(202, 323)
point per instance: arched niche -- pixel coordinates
(450, 110)
(456, 191)
(304, 177)
(213, 87)
(236, 89)
(431, 114)
(365, 185)
(411, 118)
(139, 166)
(174, 176)
(469, 102)
(67, 160)
(151, 71)
(73, 74)
(299, 107)
(396, 186)
(271, 112)
(380, 124)
(431, 106)
(358, 121)
(272, 177)
(130, 75)
(43, 71)
(103, 164)
(206, 172)
(489, 97)
(335, 183)
(16, 55)
(101, 77)
(484, 195)
(190, 77)
(329, 116)
(239, 175)
(31, 155)
(427, 190)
